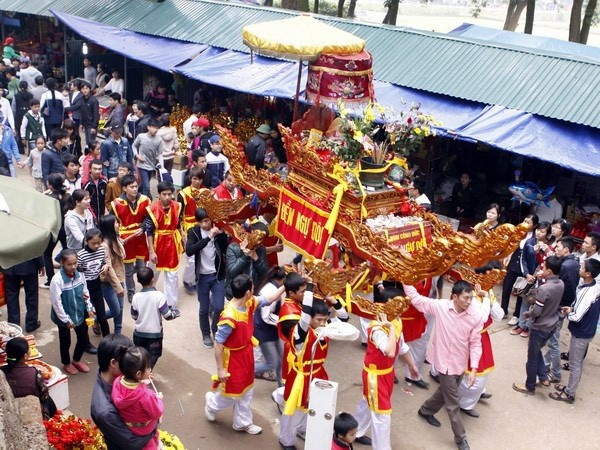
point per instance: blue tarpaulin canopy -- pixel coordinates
(162, 53)
(567, 48)
(234, 70)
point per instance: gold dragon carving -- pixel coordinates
(252, 238)
(330, 281)
(219, 210)
(491, 244)
(486, 280)
(393, 308)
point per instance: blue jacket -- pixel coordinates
(52, 162)
(115, 153)
(569, 273)
(9, 145)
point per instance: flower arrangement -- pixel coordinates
(73, 433)
(407, 132)
(170, 441)
(397, 133)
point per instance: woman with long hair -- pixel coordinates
(74, 145)
(265, 327)
(520, 264)
(52, 106)
(78, 218)
(113, 282)
(25, 380)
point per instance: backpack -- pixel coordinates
(53, 110)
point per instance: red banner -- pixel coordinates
(302, 225)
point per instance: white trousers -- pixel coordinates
(242, 414)
(189, 272)
(418, 348)
(468, 397)
(278, 396)
(290, 425)
(170, 285)
(382, 425)
(364, 325)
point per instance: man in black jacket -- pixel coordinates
(116, 433)
(27, 273)
(240, 259)
(569, 274)
(52, 158)
(90, 113)
(208, 244)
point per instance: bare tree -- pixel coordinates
(513, 14)
(529, 16)
(588, 20)
(392, 12)
(579, 30)
(352, 9)
(340, 8)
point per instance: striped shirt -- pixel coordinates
(91, 263)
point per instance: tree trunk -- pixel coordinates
(587, 20)
(529, 16)
(340, 11)
(316, 7)
(392, 12)
(352, 9)
(268, 3)
(513, 14)
(303, 5)
(575, 21)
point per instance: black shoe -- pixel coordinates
(287, 447)
(564, 356)
(485, 396)
(430, 418)
(396, 381)
(470, 412)
(418, 383)
(91, 349)
(566, 367)
(463, 445)
(436, 378)
(364, 440)
(189, 288)
(34, 327)
(364, 344)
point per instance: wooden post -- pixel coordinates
(294, 117)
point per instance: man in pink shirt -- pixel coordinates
(457, 335)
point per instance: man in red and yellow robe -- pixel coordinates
(164, 239)
(130, 211)
(234, 355)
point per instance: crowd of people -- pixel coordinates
(114, 233)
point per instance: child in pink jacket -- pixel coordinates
(138, 405)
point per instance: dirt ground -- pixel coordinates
(508, 419)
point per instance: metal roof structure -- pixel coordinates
(536, 81)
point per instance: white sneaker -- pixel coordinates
(208, 413)
(513, 321)
(250, 429)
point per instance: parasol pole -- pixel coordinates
(297, 90)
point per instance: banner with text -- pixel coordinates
(302, 225)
